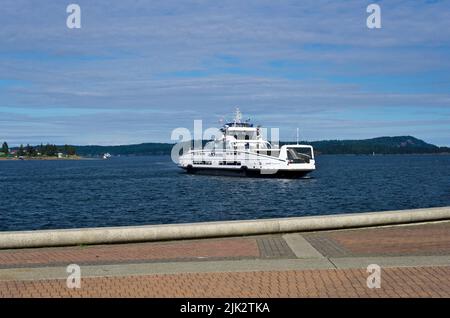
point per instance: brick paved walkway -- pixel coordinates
(423, 239)
(395, 282)
(122, 253)
(428, 242)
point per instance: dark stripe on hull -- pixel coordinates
(256, 173)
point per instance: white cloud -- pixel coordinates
(126, 59)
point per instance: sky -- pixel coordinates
(136, 69)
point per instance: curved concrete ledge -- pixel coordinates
(46, 238)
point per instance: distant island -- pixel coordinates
(43, 152)
(380, 145)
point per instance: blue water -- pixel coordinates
(152, 190)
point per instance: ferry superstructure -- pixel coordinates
(241, 150)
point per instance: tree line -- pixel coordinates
(48, 150)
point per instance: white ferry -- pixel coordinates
(241, 150)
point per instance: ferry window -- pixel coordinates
(299, 155)
(235, 136)
(247, 137)
(305, 151)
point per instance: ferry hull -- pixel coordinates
(255, 173)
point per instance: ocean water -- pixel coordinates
(152, 190)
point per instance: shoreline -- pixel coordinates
(42, 158)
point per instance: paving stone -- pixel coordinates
(274, 246)
(395, 282)
(228, 248)
(420, 239)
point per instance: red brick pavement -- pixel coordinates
(213, 248)
(423, 239)
(395, 282)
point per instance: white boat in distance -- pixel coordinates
(242, 151)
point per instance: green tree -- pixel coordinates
(49, 150)
(5, 148)
(72, 151)
(40, 149)
(21, 151)
(69, 150)
(31, 152)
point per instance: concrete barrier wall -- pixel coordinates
(22, 239)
